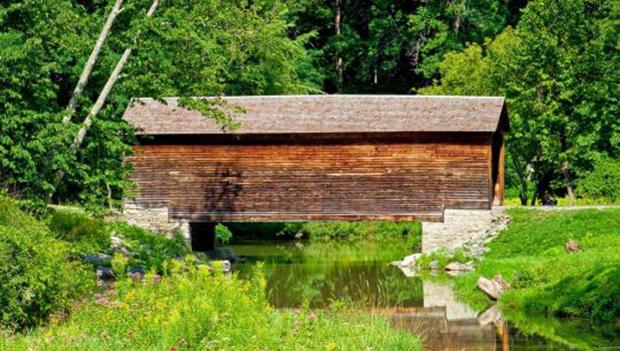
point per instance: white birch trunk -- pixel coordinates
(103, 95)
(90, 63)
(79, 138)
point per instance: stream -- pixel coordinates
(359, 275)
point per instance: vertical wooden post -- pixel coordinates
(500, 182)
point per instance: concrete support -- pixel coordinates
(155, 219)
(461, 227)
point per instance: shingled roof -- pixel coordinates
(328, 114)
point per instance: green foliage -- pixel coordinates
(546, 280)
(603, 182)
(86, 235)
(119, 265)
(217, 108)
(204, 48)
(558, 71)
(388, 46)
(366, 230)
(148, 250)
(223, 235)
(203, 309)
(39, 276)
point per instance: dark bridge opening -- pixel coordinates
(202, 236)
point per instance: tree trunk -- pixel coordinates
(569, 185)
(109, 193)
(521, 172)
(79, 138)
(534, 196)
(337, 24)
(90, 63)
(103, 95)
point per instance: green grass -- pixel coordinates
(545, 280)
(202, 310)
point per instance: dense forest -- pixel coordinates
(556, 61)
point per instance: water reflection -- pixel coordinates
(361, 276)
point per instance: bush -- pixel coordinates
(603, 182)
(85, 233)
(223, 235)
(37, 275)
(149, 250)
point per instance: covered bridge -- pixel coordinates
(320, 157)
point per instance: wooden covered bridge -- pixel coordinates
(321, 157)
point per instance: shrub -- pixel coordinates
(149, 250)
(85, 233)
(603, 182)
(223, 235)
(119, 265)
(37, 275)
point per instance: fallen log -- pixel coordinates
(494, 288)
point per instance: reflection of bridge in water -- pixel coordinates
(447, 324)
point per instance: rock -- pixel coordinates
(478, 251)
(116, 241)
(224, 264)
(490, 315)
(455, 273)
(433, 266)
(104, 273)
(408, 271)
(136, 276)
(96, 258)
(223, 253)
(136, 270)
(493, 288)
(572, 246)
(410, 261)
(458, 266)
(500, 282)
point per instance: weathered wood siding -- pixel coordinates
(378, 176)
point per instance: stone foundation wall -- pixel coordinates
(154, 219)
(462, 227)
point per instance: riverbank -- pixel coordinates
(546, 280)
(159, 295)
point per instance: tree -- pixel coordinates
(388, 46)
(558, 70)
(189, 49)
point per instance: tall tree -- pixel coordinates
(558, 69)
(388, 46)
(92, 59)
(190, 48)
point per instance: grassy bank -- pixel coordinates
(547, 281)
(50, 302)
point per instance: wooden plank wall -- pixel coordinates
(390, 177)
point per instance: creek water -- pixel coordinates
(360, 275)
